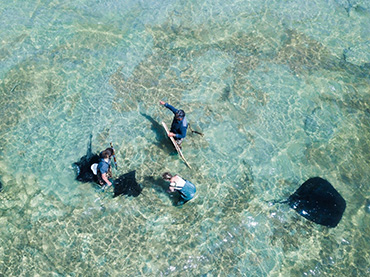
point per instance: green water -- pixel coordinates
(280, 89)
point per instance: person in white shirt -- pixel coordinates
(184, 187)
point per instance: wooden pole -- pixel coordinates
(114, 156)
(176, 145)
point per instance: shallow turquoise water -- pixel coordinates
(279, 88)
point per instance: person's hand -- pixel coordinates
(162, 102)
(170, 134)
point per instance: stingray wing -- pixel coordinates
(83, 168)
(126, 184)
(318, 201)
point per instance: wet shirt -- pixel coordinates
(103, 166)
(186, 188)
(178, 127)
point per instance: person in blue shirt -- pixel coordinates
(104, 171)
(185, 188)
(179, 124)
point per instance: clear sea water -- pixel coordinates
(281, 90)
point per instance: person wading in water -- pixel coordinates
(179, 124)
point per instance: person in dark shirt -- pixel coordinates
(179, 124)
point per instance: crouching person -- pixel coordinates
(185, 188)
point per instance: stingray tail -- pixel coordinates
(89, 148)
(273, 202)
(196, 132)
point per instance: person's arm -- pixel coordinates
(172, 186)
(105, 178)
(168, 106)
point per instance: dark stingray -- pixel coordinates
(318, 201)
(83, 166)
(126, 184)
